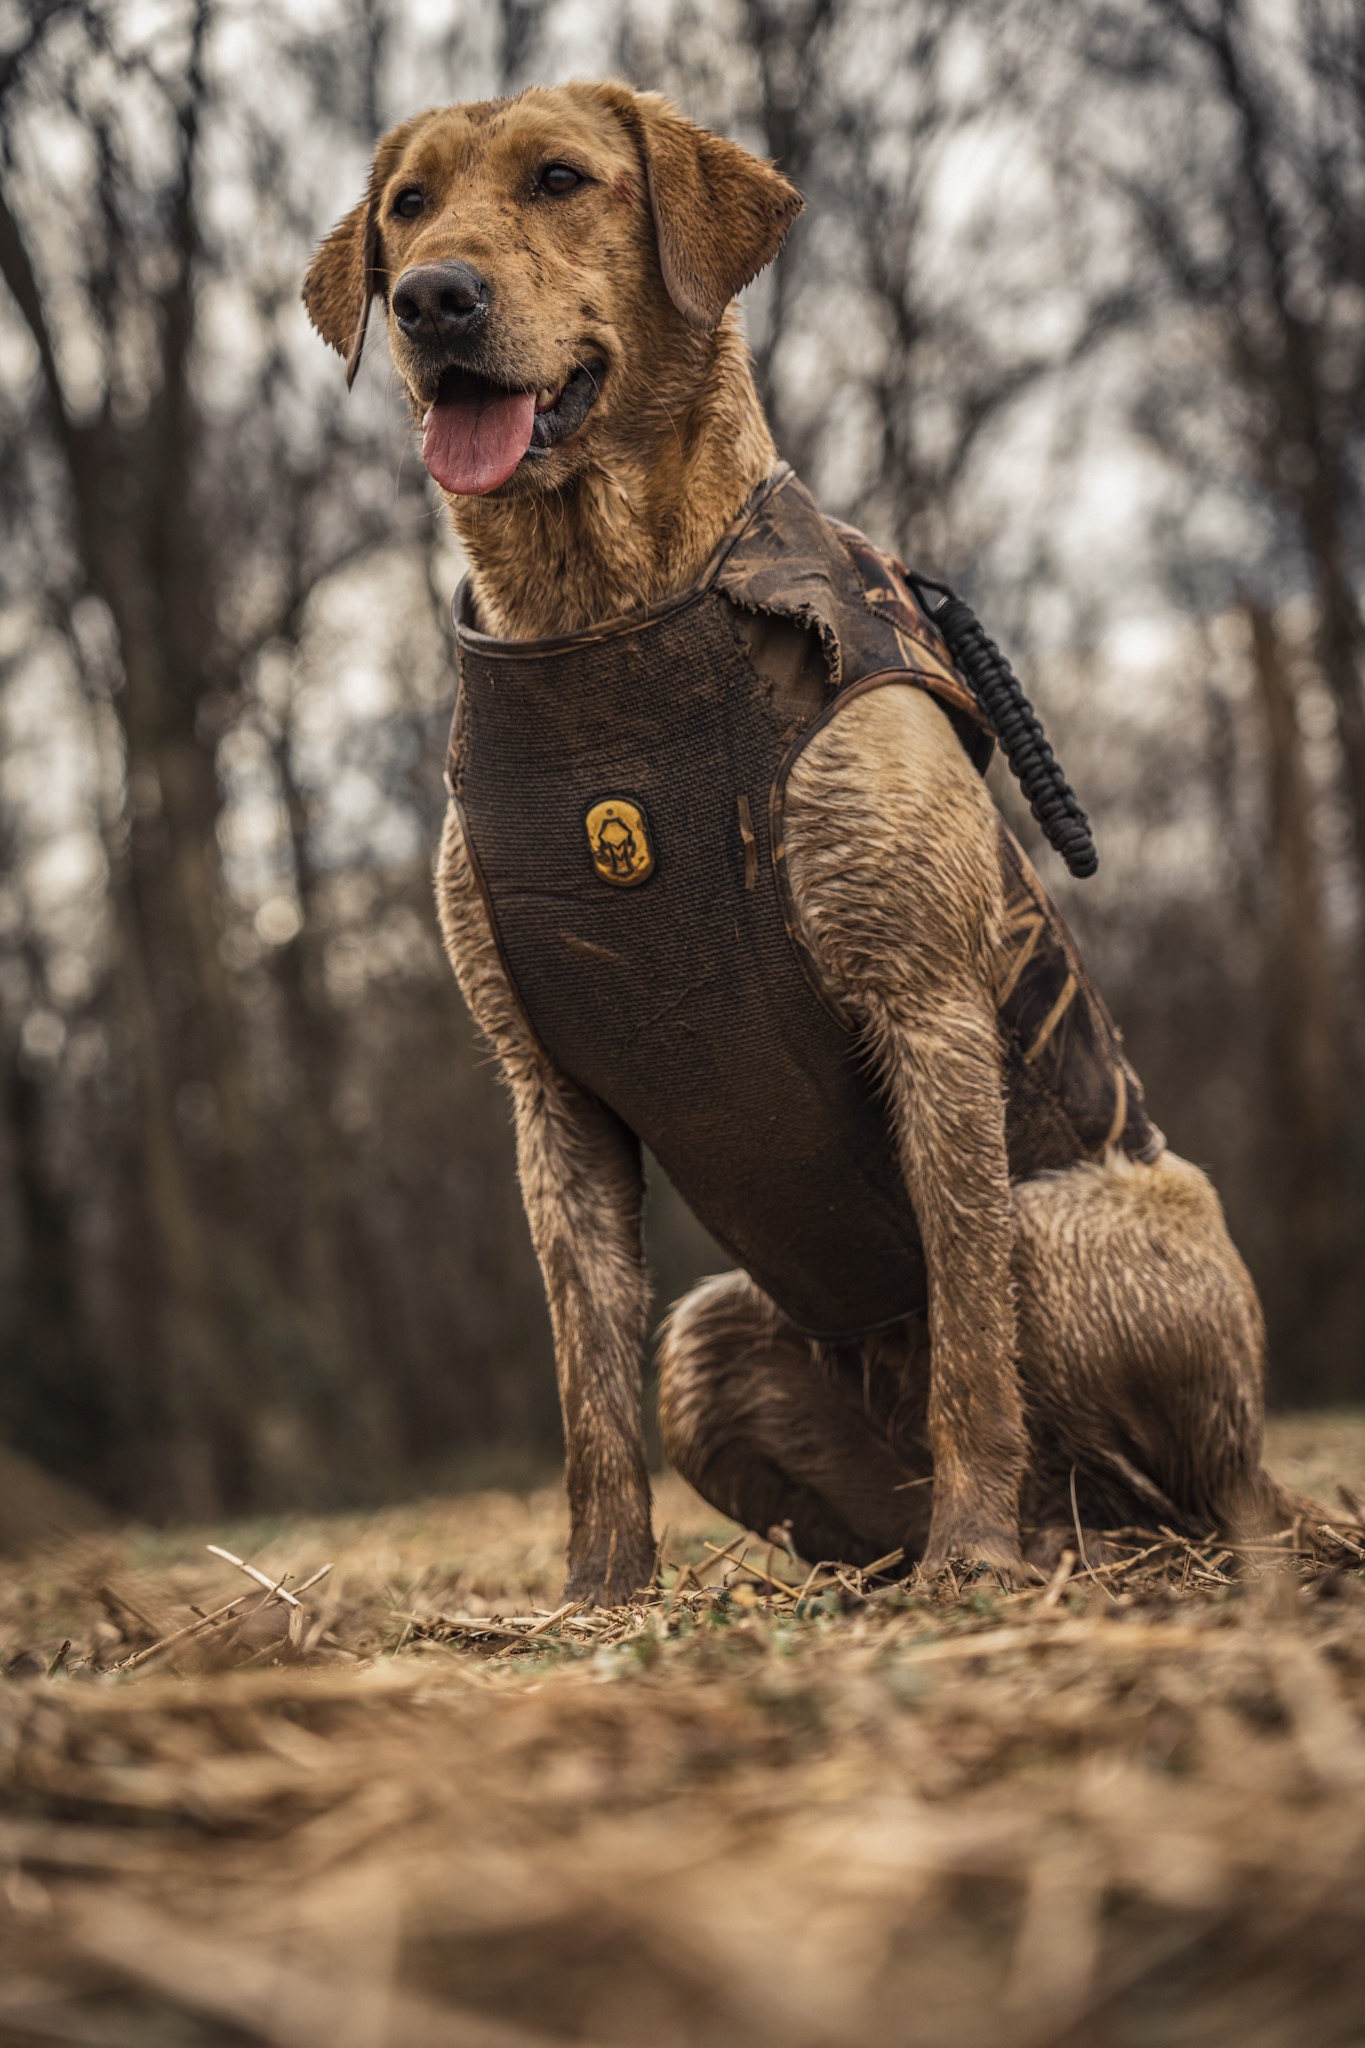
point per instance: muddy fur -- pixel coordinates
(1097, 1321)
(1145, 1389)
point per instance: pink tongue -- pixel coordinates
(472, 445)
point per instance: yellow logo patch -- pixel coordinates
(618, 840)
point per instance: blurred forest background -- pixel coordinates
(1076, 316)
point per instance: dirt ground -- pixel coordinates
(421, 1810)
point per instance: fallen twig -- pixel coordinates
(715, 1558)
(191, 1628)
(1052, 1592)
(275, 1586)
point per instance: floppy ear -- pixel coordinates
(720, 213)
(346, 272)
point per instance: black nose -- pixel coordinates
(439, 301)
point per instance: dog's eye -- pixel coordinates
(557, 179)
(408, 204)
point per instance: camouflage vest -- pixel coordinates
(622, 792)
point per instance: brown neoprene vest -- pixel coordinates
(621, 791)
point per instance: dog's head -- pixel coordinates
(547, 264)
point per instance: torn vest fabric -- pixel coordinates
(621, 791)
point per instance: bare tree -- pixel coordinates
(177, 539)
(1219, 148)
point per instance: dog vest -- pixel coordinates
(621, 791)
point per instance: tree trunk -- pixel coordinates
(1306, 1063)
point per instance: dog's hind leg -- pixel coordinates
(1142, 1358)
(772, 1428)
(1142, 1350)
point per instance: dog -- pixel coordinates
(558, 272)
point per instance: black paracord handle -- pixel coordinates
(1015, 724)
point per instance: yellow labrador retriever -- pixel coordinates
(723, 874)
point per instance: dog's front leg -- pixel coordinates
(891, 845)
(582, 1186)
(942, 1065)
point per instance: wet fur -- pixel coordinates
(1098, 1320)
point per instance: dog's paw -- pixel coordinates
(973, 1558)
(611, 1573)
(587, 1590)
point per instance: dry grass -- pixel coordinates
(1123, 1811)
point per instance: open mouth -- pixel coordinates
(475, 433)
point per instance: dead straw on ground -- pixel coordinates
(373, 1786)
